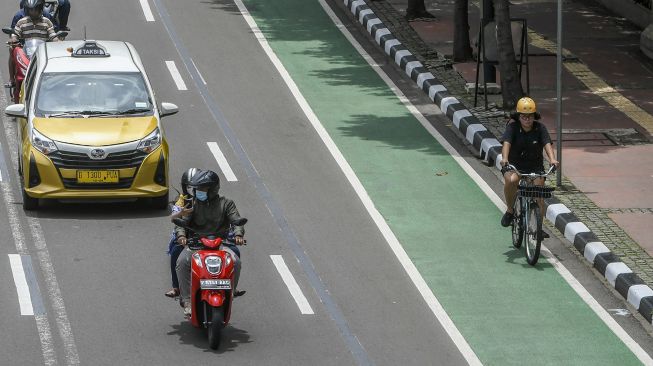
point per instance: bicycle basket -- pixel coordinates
(536, 191)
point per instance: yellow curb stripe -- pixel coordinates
(597, 85)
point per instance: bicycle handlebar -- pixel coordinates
(531, 175)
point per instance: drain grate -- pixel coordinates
(584, 139)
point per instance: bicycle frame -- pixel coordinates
(529, 195)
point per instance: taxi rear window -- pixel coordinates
(93, 93)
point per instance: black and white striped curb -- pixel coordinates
(488, 148)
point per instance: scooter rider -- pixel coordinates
(33, 25)
(211, 213)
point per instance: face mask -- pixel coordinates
(201, 196)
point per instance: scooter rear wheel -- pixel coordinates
(215, 328)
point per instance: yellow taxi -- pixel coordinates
(89, 126)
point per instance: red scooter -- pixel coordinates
(22, 54)
(212, 278)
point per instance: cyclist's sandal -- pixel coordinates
(506, 220)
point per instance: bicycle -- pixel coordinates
(527, 217)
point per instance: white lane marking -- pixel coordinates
(597, 308)
(571, 280)
(45, 263)
(24, 298)
(42, 323)
(198, 71)
(147, 11)
(176, 76)
(385, 230)
(292, 285)
(222, 162)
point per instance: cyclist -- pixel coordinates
(523, 141)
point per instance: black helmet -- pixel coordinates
(186, 177)
(34, 5)
(205, 179)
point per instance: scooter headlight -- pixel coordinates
(197, 259)
(42, 143)
(213, 264)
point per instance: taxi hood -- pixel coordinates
(95, 131)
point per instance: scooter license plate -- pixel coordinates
(215, 284)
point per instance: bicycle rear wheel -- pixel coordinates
(532, 233)
(517, 225)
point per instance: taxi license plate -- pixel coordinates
(98, 176)
(215, 284)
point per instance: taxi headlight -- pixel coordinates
(150, 142)
(42, 143)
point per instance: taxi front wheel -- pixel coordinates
(29, 203)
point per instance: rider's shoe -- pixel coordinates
(506, 220)
(172, 293)
(239, 293)
(544, 234)
(187, 310)
(64, 29)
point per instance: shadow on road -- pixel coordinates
(231, 337)
(96, 210)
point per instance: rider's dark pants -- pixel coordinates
(64, 12)
(174, 254)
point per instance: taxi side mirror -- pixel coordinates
(168, 109)
(16, 110)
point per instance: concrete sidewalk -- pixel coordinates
(607, 107)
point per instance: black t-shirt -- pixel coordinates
(526, 147)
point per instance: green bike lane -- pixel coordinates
(509, 312)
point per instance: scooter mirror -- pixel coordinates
(7, 30)
(240, 222)
(60, 34)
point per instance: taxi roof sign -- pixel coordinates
(90, 49)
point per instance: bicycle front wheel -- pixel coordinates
(517, 224)
(532, 233)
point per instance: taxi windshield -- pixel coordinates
(74, 94)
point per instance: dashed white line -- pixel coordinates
(198, 71)
(42, 323)
(176, 76)
(24, 298)
(45, 264)
(222, 162)
(293, 287)
(147, 11)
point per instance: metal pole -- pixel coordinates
(559, 96)
(489, 71)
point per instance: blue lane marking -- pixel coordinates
(34, 291)
(332, 308)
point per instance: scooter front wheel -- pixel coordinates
(215, 328)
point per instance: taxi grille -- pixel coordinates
(81, 161)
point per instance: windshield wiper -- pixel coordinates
(134, 111)
(77, 113)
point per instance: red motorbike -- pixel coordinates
(22, 54)
(212, 279)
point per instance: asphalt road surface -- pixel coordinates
(96, 272)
